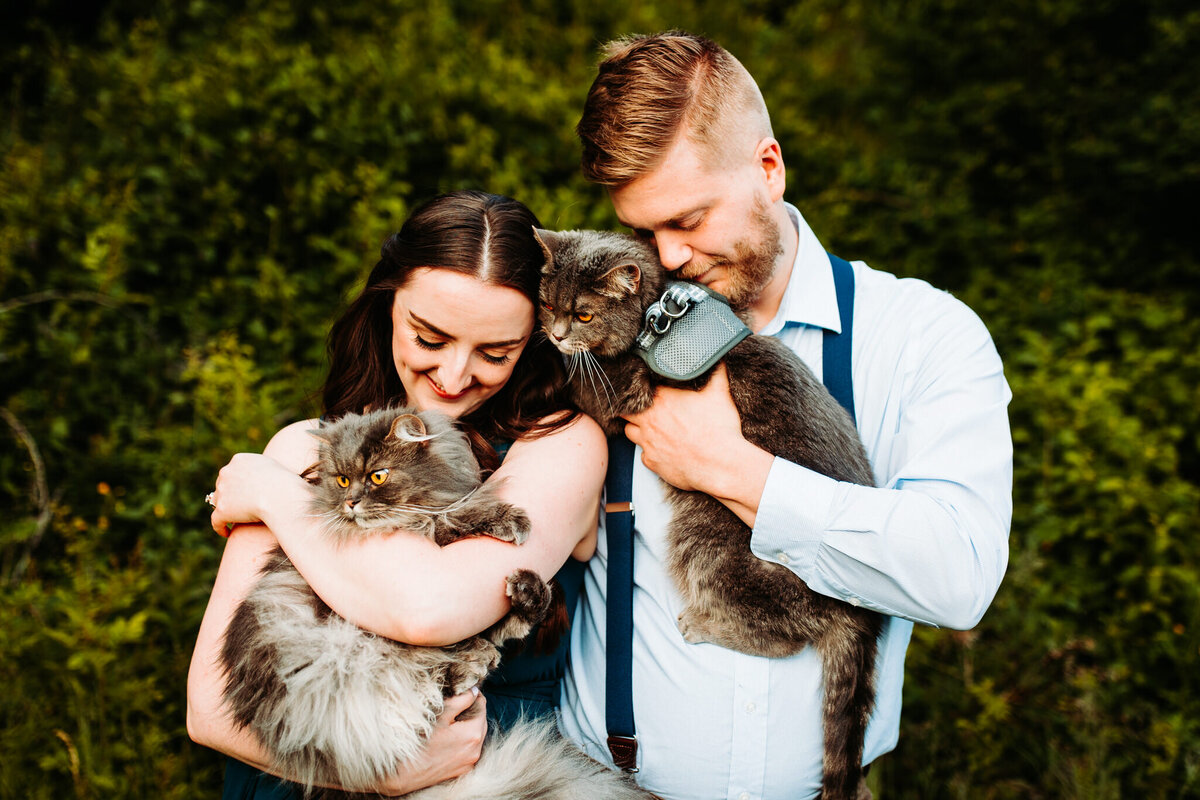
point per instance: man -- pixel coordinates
(677, 130)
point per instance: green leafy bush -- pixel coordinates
(189, 192)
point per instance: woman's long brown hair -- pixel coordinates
(489, 237)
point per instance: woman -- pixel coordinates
(445, 322)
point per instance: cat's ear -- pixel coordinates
(409, 428)
(621, 281)
(547, 240)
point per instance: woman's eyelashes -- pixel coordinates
(426, 344)
(493, 359)
(497, 360)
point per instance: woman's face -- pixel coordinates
(456, 339)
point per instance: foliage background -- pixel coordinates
(190, 191)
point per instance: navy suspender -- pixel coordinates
(835, 347)
(618, 523)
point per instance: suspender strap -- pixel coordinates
(618, 523)
(835, 350)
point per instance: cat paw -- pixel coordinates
(461, 680)
(529, 594)
(512, 526)
(693, 627)
(477, 657)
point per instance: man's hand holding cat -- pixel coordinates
(694, 441)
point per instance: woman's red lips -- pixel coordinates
(442, 393)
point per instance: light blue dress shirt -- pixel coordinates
(928, 544)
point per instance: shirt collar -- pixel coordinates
(810, 297)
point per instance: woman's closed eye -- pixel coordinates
(426, 344)
(498, 360)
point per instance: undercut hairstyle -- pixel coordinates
(486, 236)
(651, 89)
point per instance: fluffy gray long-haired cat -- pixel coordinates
(334, 704)
(595, 289)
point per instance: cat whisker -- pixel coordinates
(596, 377)
(573, 365)
(609, 391)
(589, 373)
(434, 510)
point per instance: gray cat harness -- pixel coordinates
(686, 333)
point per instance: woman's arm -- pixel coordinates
(273, 479)
(402, 585)
(453, 746)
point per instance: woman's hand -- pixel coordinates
(244, 484)
(453, 746)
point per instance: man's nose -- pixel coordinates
(673, 250)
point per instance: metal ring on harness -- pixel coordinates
(687, 331)
(668, 309)
(669, 299)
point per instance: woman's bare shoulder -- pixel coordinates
(566, 455)
(582, 432)
(294, 446)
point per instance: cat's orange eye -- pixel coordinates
(584, 317)
(379, 476)
(342, 481)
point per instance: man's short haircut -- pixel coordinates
(649, 89)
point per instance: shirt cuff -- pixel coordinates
(793, 514)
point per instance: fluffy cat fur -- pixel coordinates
(532, 761)
(595, 289)
(334, 704)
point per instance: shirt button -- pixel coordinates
(744, 796)
(783, 558)
(750, 708)
(854, 601)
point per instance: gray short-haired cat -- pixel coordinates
(336, 705)
(596, 287)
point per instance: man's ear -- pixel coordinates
(769, 157)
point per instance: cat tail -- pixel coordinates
(532, 760)
(848, 660)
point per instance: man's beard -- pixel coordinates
(749, 269)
